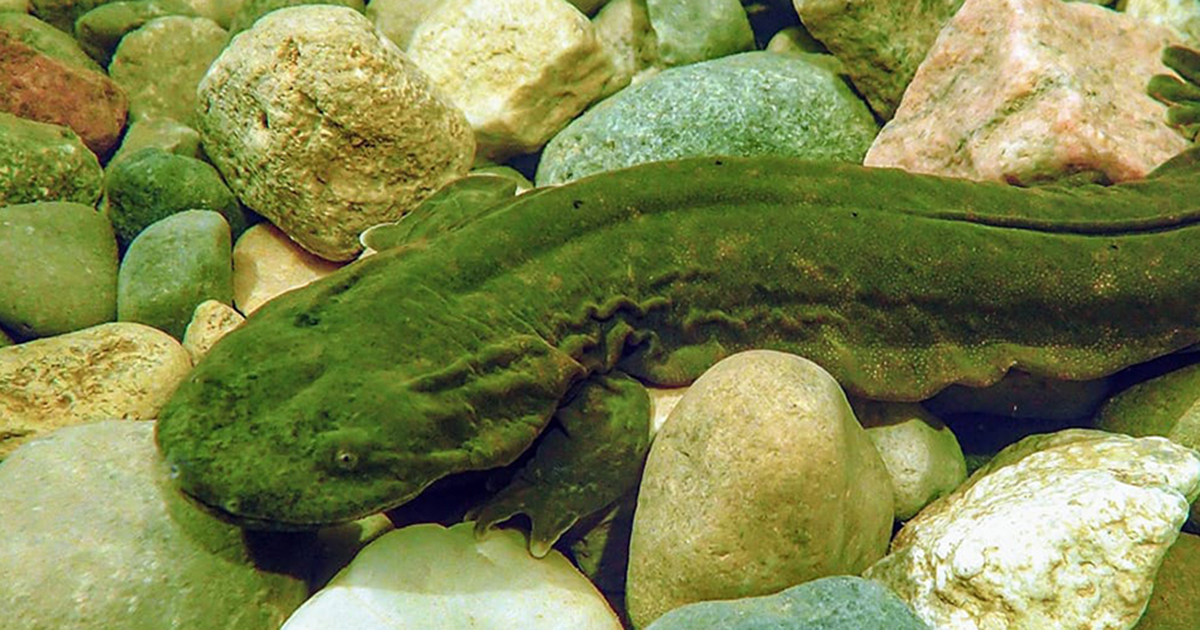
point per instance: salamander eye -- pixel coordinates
(345, 459)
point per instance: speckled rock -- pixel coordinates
(832, 603)
(43, 162)
(691, 31)
(881, 43)
(92, 536)
(428, 576)
(60, 268)
(1063, 530)
(1181, 16)
(160, 133)
(1026, 91)
(173, 266)
(111, 371)
(39, 87)
(160, 64)
(1168, 406)
(210, 321)
(756, 103)
(250, 10)
(623, 30)
(47, 40)
(519, 69)
(760, 479)
(325, 127)
(267, 263)
(921, 454)
(1175, 603)
(100, 30)
(152, 184)
(399, 18)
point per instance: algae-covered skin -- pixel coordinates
(353, 394)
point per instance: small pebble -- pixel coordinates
(267, 263)
(210, 321)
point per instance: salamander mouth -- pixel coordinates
(250, 522)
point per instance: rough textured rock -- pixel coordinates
(326, 128)
(267, 263)
(755, 103)
(173, 266)
(39, 87)
(760, 479)
(59, 270)
(399, 18)
(250, 10)
(43, 162)
(1175, 603)
(832, 603)
(210, 321)
(623, 30)
(1025, 91)
(428, 576)
(110, 371)
(101, 29)
(1181, 16)
(881, 43)
(1063, 530)
(519, 69)
(160, 64)
(47, 40)
(92, 536)
(921, 454)
(161, 133)
(691, 31)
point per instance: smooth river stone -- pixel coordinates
(173, 266)
(266, 263)
(59, 271)
(168, 135)
(44, 162)
(111, 371)
(760, 479)
(47, 40)
(250, 10)
(691, 31)
(101, 29)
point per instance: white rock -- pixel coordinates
(1028, 90)
(1064, 530)
(430, 577)
(267, 263)
(519, 69)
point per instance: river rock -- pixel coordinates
(756, 103)
(16, 6)
(43, 162)
(39, 87)
(1062, 530)
(169, 135)
(432, 577)
(760, 479)
(117, 370)
(1181, 16)
(61, 14)
(47, 40)
(210, 321)
(101, 29)
(519, 69)
(1175, 603)
(219, 11)
(92, 536)
(921, 454)
(267, 263)
(1026, 91)
(160, 64)
(173, 266)
(325, 127)
(250, 10)
(624, 31)
(152, 184)
(831, 603)
(397, 19)
(59, 270)
(691, 31)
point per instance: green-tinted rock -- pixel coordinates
(152, 184)
(5, 339)
(59, 269)
(1175, 602)
(690, 31)
(61, 14)
(93, 536)
(160, 64)
(14, 6)
(756, 103)
(169, 135)
(173, 266)
(101, 29)
(43, 162)
(251, 10)
(832, 603)
(47, 40)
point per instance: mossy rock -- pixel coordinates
(44, 162)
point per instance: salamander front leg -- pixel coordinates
(1181, 97)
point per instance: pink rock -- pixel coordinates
(1023, 91)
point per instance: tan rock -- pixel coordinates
(118, 370)
(519, 69)
(267, 263)
(397, 19)
(624, 30)
(210, 321)
(1063, 530)
(1024, 91)
(322, 125)
(760, 479)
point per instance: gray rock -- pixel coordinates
(92, 536)
(44, 162)
(100, 30)
(691, 31)
(756, 103)
(152, 184)
(832, 603)
(60, 269)
(172, 267)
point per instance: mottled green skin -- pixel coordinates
(351, 395)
